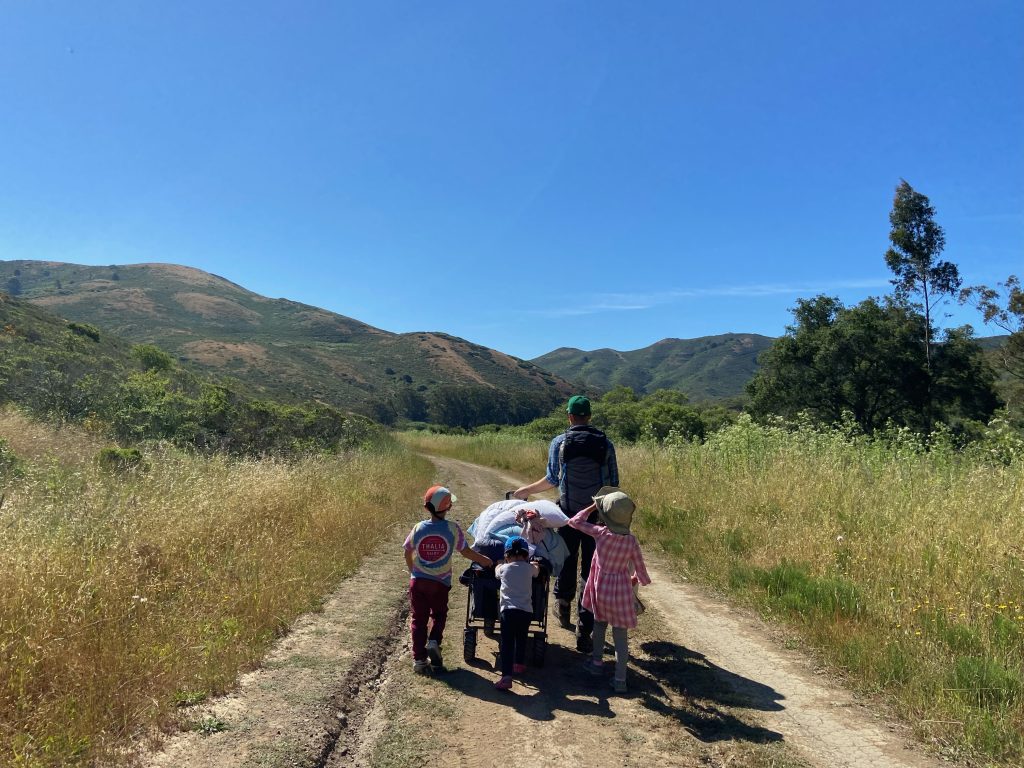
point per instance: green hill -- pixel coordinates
(276, 347)
(709, 367)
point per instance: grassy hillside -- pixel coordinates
(275, 347)
(73, 372)
(710, 367)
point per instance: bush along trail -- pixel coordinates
(708, 686)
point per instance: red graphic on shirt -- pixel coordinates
(433, 548)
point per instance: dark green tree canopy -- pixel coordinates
(868, 360)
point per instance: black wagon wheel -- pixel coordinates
(539, 649)
(469, 644)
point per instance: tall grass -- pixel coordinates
(502, 450)
(124, 594)
(904, 567)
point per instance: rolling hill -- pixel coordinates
(273, 347)
(706, 368)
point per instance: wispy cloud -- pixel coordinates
(625, 302)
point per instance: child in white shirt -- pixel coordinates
(515, 600)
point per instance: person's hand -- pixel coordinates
(521, 493)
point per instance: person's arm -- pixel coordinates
(538, 487)
(641, 576)
(471, 554)
(535, 568)
(579, 521)
(408, 559)
(550, 479)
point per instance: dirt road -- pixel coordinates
(708, 687)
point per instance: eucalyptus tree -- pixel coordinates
(917, 241)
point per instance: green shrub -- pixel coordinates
(121, 459)
(152, 358)
(85, 329)
(10, 464)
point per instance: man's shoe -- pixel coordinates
(619, 686)
(434, 654)
(584, 644)
(504, 684)
(595, 668)
(421, 666)
(563, 612)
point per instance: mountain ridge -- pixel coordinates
(292, 350)
(705, 368)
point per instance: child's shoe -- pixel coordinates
(519, 668)
(595, 668)
(421, 666)
(504, 684)
(619, 686)
(434, 654)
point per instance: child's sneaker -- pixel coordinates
(619, 686)
(519, 668)
(421, 666)
(504, 684)
(596, 668)
(434, 653)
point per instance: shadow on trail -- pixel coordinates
(560, 686)
(679, 683)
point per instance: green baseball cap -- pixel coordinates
(579, 405)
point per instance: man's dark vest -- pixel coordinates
(582, 454)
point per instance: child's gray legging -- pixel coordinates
(621, 638)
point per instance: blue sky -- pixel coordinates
(525, 175)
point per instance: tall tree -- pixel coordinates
(917, 242)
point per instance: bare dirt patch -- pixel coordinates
(216, 308)
(134, 300)
(220, 353)
(443, 353)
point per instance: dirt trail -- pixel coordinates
(708, 687)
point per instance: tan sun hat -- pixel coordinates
(614, 509)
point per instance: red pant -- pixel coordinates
(427, 599)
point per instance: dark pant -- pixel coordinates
(427, 599)
(581, 550)
(515, 630)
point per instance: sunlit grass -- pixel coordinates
(125, 594)
(905, 568)
(501, 450)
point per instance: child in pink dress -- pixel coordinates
(617, 566)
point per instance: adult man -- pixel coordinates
(580, 461)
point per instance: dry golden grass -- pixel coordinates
(124, 595)
(501, 450)
(904, 568)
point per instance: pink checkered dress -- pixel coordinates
(609, 591)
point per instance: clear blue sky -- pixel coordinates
(526, 175)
